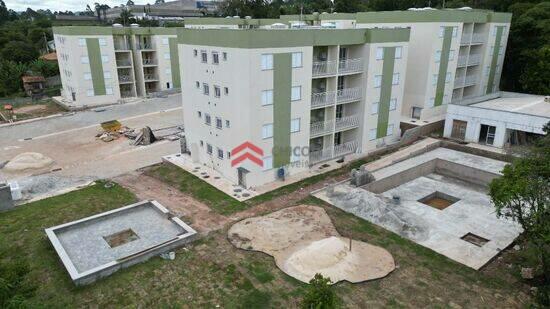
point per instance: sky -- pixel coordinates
(63, 5)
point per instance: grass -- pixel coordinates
(212, 272)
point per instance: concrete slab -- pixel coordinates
(456, 174)
(99, 245)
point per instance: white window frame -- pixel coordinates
(166, 56)
(379, 53)
(90, 93)
(268, 163)
(267, 131)
(395, 79)
(204, 56)
(372, 134)
(435, 77)
(104, 58)
(374, 108)
(109, 90)
(102, 42)
(217, 91)
(393, 104)
(389, 130)
(215, 57)
(107, 74)
(84, 59)
(448, 77)
(87, 76)
(266, 62)
(377, 81)
(81, 42)
(296, 93)
(431, 102)
(205, 89)
(297, 59)
(398, 52)
(437, 56)
(441, 31)
(267, 97)
(164, 41)
(295, 125)
(220, 153)
(219, 123)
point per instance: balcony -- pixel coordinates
(321, 128)
(123, 63)
(149, 62)
(144, 46)
(122, 46)
(462, 60)
(350, 66)
(322, 99)
(347, 122)
(150, 77)
(348, 95)
(459, 82)
(470, 81)
(474, 60)
(332, 152)
(125, 79)
(478, 38)
(324, 68)
(466, 39)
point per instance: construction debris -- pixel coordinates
(28, 161)
(113, 130)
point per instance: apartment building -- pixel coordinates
(102, 65)
(454, 54)
(300, 96)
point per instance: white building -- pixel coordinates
(505, 119)
(101, 65)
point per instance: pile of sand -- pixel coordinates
(304, 242)
(28, 161)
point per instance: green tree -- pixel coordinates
(10, 77)
(4, 13)
(536, 75)
(319, 294)
(19, 51)
(522, 194)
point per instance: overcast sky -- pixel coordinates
(63, 5)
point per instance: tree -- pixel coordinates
(159, 1)
(536, 75)
(10, 77)
(4, 13)
(19, 51)
(522, 194)
(319, 294)
(130, 2)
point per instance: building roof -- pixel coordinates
(518, 103)
(33, 79)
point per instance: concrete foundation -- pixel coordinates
(6, 201)
(97, 246)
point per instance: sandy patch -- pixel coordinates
(28, 161)
(30, 109)
(304, 242)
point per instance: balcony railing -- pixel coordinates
(150, 77)
(348, 95)
(144, 46)
(122, 46)
(123, 63)
(470, 80)
(125, 78)
(322, 99)
(347, 122)
(322, 68)
(466, 39)
(149, 62)
(478, 38)
(350, 65)
(321, 127)
(332, 152)
(474, 59)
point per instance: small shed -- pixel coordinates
(34, 85)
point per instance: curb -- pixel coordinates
(9, 124)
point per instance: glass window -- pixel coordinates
(195, 52)
(448, 77)
(199, 114)
(109, 90)
(107, 74)
(451, 55)
(102, 42)
(441, 31)
(297, 60)
(197, 84)
(296, 93)
(374, 108)
(395, 79)
(164, 41)
(416, 111)
(207, 119)
(167, 56)
(84, 59)
(267, 97)
(379, 53)
(431, 102)
(434, 79)
(267, 130)
(372, 134)
(295, 125)
(205, 89)
(219, 123)
(268, 163)
(389, 131)
(227, 124)
(398, 52)
(393, 104)
(220, 153)
(104, 58)
(209, 149)
(87, 76)
(81, 42)
(90, 92)
(217, 91)
(224, 56)
(455, 31)
(267, 62)
(215, 57)
(204, 56)
(226, 90)
(377, 81)
(438, 56)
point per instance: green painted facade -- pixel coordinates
(494, 60)
(100, 30)
(262, 38)
(96, 66)
(385, 92)
(174, 62)
(282, 85)
(443, 66)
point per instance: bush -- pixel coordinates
(319, 294)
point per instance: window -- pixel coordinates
(202, 143)
(226, 90)
(197, 84)
(393, 104)
(267, 97)
(398, 52)
(218, 123)
(87, 76)
(168, 71)
(448, 77)
(90, 92)
(102, 42)
(379, 53)
(199, 114)
(229, 155)
(438, 56)
(220, 153)
(107, 74)
(451, 55)
(195, 53)
(487, 71)
(374, 108)
(224, 56)
(267, 62)
(395, 79)
(209, 149)
(227, 124)
(297, 60)
(167, 56)
(455, 31)
(431, 102)
(217, 91)
(205, 89)
(267, 130)
(207, 119)
(81, 42)
(84, 59)
(441, 31)
(372, 134)
(104, 58)
(268, 163)
(434, 82)
(389, 131)
(109, 90)
(377, 81)
(296, 93)
(165, 41)
(215, 58)
(295, 125)
(416, 111)
(204, 56)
